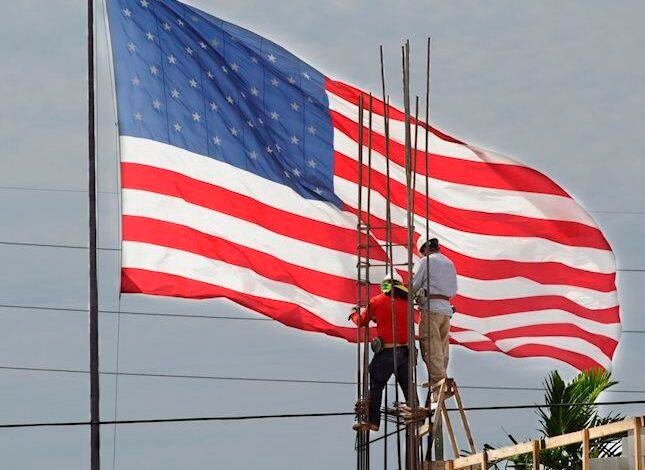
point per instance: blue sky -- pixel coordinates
(557, 85)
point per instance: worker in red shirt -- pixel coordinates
(393, 355)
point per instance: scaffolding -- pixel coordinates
(416, 420)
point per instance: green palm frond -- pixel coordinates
(563, 416)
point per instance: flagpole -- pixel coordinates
(95, 440)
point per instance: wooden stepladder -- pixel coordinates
(438, 395)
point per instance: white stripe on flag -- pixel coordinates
(239, 231)
(212, 171)
(200, 268)
(491, 247)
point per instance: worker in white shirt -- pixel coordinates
(434, 285)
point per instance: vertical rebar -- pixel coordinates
(362, 436)
(411, 432)
(367, 257)
(389, 252)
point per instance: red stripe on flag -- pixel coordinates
(547, 273)
(486, 175)
(157, 232)
(494, 308)
(604, 343)
(351, 94)
(499, 224)
(140, 281)
(157, 180)
(579, 361)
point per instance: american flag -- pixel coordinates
(239, 180)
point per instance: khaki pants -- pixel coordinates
(434, 333)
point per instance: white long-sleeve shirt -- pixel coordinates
(442, 277)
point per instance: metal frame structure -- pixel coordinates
(411, 415)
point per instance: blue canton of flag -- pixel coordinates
(191, 80)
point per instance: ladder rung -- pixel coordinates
(374, 245)
(383, 227)
(379, 265)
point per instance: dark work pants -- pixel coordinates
(381, 369)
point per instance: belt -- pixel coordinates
(438, 296)
(392, 345)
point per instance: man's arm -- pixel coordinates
(420, 273)
(363, 318)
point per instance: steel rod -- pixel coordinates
(411, 432)
(388, 234)
(93, 311)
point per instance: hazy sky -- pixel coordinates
(557, 85)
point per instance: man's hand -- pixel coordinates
(354, 316)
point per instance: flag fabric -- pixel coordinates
(239, 180)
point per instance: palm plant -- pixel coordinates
(561, 417)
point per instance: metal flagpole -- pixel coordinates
(95, 440)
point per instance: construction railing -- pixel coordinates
(484, 459)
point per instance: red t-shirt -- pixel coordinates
(379, 310)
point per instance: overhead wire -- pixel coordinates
(265, 379)
(172, 420)
(66, 190)
(303, 415)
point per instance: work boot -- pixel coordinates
(364, 427)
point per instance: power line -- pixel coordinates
(619, 212)
(173, 420)
(51, 190)
(171, 315)
(302, 415)
(261, 379)
(148, 314)
(81, 247)
(50, 245)
(63, 190)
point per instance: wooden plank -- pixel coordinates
(506, 452)
(536, 454)
(638, 447)
(563, 440)
(484, 460)
(464, 419)
(612, 428)
(585, 449)
(451, 433)
(465, 462)
(436, 424)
